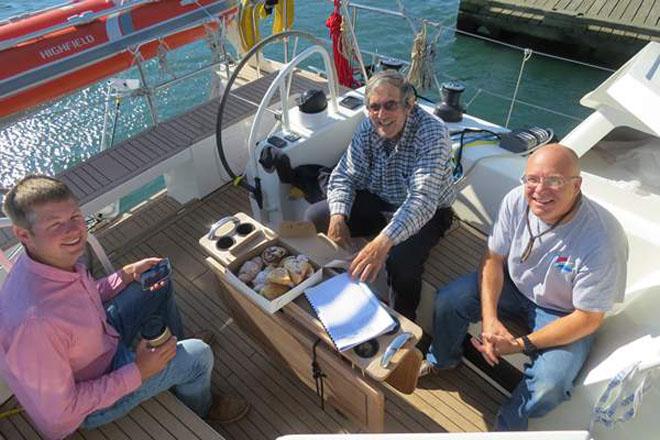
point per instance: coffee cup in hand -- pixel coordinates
(155, 332)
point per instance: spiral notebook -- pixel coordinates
(349, 311)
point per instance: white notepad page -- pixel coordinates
(349, 311)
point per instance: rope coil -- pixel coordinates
(422, 55)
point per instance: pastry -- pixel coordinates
(287, 260)
(260, 280)
(273, 255)
(310, 270)
(250, 269)
(280, 276)
(272, 291)
(298, 267)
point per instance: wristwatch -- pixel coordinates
(528, 346)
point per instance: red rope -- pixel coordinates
(344, 70)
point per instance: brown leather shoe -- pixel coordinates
(226, 409)
(205, 335)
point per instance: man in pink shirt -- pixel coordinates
(65, 338)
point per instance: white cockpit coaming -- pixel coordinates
(619, 149)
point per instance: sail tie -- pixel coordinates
(334, 24)
(422, 55)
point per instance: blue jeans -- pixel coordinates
(547, 380)
(189, 373)
(405, 263)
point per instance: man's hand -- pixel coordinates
(131, 272)
(504, 345)
(151, 361)
(496, 340)
(338, 231)
(492, 347)
(371, 258)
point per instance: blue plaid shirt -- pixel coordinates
(414, 174)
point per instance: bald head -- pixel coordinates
(553, 182)
(558, 157)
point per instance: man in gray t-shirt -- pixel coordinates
(556, 259)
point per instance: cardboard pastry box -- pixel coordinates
(270, 306)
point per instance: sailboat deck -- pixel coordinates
(120, 168)
(455, 401)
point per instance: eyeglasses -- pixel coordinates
(387, 105)
(552, 182)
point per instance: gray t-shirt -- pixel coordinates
(581, 264)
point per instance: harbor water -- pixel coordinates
(63, 133)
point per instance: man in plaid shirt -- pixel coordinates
(394, 182)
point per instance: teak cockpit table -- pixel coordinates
(295, 337)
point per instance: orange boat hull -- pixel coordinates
(45, 68)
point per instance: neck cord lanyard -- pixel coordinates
(532, 237)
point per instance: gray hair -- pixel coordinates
(31, 191)
(394, 79)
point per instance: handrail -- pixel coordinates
(137, 94)
(481, 90)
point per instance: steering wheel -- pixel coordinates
(239, 179)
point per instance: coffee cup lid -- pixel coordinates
(153, 327)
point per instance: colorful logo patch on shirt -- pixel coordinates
(563, 264)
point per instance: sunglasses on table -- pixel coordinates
(553, 182)
(387, 105)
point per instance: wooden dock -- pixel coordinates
(607, 32)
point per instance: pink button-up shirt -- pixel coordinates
(56, 347)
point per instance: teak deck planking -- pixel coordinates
(455, 401)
